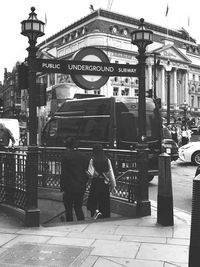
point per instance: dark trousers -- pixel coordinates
(184, 140)
(73, 200)
(99, 198)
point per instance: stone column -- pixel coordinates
(149, 77)
(186, 93)
(175, 87)
(163, 89)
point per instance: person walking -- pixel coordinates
(73, 179)
(5, 137)
(102, 182)
(185, 135)
(174, 134)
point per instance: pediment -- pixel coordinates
(172, 53)
(45, 55)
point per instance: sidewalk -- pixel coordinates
(139, 242)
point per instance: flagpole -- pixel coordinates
(189, 26)
(45, 28)
(166, 15)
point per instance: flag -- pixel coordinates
(91, 8)
(167, 10)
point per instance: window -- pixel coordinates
(192, 101)
(125, 91)
(125, 32)
(127, 120)
(115, 91)
(198, 101)
(94, 129)
(88, 107)
(114, 30)
(193, 77)
(126, 80)
(97, 92)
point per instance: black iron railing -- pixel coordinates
(13, 178)
(17, 190)
(123, 162)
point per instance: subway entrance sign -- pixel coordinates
(90, 68)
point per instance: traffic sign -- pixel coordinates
(82, 67)
(90, 68)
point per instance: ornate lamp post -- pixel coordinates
(168, 68)
(142, 38)
(32, 28)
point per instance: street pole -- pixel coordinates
(32, 95)
(32, 28)
(168, 97)
(154, 63)
(142, 94)
(168, 68)
(142, 38)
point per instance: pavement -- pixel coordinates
(115, 242)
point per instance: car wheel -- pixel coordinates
(196, 158)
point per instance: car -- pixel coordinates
(169, 146)
(190, 152)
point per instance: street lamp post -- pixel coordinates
(168, 68)
(142, 38)
(32, 28)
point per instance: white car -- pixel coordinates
(190, 152)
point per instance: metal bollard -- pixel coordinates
(194, 249)
(165, 213)
(143, 203)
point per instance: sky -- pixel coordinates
(61, 13)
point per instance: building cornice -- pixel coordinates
(117, 19)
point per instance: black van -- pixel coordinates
(111, 121)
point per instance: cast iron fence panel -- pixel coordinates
(123, 162)
(13, 180)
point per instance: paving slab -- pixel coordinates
(135, 262)
(127, 242)
(71, 241)
(144, 239)
(44, 255)
(26, 239)
(95, 236)
(115, 249)
(160, 252)
(155, 231)
(5, 238)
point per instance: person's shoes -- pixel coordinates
(97, 215)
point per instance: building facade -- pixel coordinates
(111, 32)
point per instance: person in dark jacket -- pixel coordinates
(73, 179)
(5, 137)
(103, 181)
